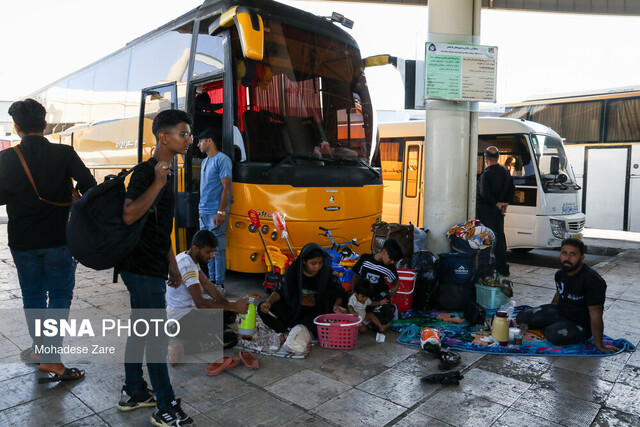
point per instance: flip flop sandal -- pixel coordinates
(445, 378)
(70, 374)
(448, 359)
(28, 356)
(248, 359)
(222, 364)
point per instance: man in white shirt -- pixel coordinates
(187, 302)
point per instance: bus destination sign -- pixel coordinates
(460, 72)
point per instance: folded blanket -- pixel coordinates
(460, 336)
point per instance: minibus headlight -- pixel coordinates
(558, 228)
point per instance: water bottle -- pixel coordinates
(500, 327)
(247, 322)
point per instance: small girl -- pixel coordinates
(358, 303)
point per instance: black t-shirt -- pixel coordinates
(495, 185)
(150, 254)
(309, 291)
(579, 292)
(377, 273)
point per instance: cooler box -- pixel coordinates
(403, 299)
(490, 297)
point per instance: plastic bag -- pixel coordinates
(298, 340)
(508, 307)
(419, 239)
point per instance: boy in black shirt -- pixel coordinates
(575, 313)
(380, 271)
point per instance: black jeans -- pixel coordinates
(557, 329)
(490, 216)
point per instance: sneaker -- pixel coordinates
(142, 399)
(183, 418)
(220, 289)
(165, 418)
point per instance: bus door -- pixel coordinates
(412, 189)
(606, 187)
(154, 100)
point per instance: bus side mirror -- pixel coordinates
(250, 30)
(411, 74)
(554, 165)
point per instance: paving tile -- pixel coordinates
(115, 418)
(100, 390)
(630, 375)
(582, 386)
(610, 417)
(307, 388)
(524, 368)
(92, 421)
(271, 369)
(398, 387)
(624, 398)
(252, 409)
(494, 387)
(514, 417)
(389, 353)
(203, 420)
(10, 368)
(205, 393)
(357, 408)
(349, 369)
(634, 360)
(557, 407)
(307, 420)
(418, 419)
(24, 389)
(53, 410)
(606, 367)
(452, 406)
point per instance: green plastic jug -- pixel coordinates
(247, 322)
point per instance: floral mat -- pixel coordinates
(457, 334)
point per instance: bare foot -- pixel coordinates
(383, 327)
(175, 353)
(362, 329)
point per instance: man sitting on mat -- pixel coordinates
(184, 302)
(575, 313)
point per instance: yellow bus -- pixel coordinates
(286, 87)
(601, 130)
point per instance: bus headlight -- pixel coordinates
(558, 228)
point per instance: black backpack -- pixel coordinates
(96, 235)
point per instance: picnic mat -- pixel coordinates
(265, 342)
(459, 336)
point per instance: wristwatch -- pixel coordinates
(223, 213)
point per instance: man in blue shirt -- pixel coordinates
(215, 197)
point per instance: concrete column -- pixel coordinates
(451, 132)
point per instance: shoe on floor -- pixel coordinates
(142, 399)
(220, 289)
(172, 416)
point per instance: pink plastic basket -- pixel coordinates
(337, 331)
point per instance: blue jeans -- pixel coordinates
(218, 265)
(45, 274)
(146, 292)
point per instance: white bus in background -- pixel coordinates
(546, 208)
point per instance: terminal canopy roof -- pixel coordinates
(609, 7)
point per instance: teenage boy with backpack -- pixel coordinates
(145, 270)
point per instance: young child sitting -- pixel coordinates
(380, 270)
(358, 303)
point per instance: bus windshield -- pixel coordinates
(306, 99)
(547, 149)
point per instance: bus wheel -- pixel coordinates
(521, 250)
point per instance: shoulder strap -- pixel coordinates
(33, 184)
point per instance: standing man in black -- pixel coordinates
(495, 192)
(46, 270)
(146, 269)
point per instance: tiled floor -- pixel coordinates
(372, 385)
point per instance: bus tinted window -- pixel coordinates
(413, 171)
(577, 122)
(391, 152)
(623, 120)
(514, 155)
(307, 97)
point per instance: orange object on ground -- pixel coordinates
(222, 364)
(248, 359)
